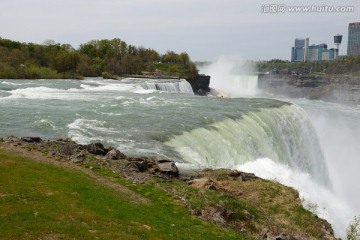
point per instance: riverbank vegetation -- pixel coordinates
(343, 65)
(113, 57)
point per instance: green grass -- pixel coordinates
(42, 201)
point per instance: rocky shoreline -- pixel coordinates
(143, 170)
(136, 169)
(344, 89)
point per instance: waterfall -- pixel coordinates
(236, 86)
(245, 85)
(181, 86)
(282, 134)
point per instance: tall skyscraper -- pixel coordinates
(354, 39)
(300, 50)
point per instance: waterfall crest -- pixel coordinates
(181, 86)
(282, 134)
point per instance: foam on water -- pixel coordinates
(45, 93)
(45, 123)
(145, 91)
(85, 130)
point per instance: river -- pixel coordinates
(309, 145)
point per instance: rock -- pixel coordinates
(78, 157)
(10, 139)
(142, 163)
(168, 167)
(96, 149)
(31, 139)
(132, 167)
(199, 182)
(217, 214)
(114, 154)
(201, 84)
(213, 214)
(242, 175)
(211, 187)
(247, 176)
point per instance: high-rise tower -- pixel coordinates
(354, 39)
(299, 52)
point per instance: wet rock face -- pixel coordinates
(201, 85)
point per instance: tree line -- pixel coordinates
(94, 58)
(343, 65)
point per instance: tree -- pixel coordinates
(353, 231)
(184, 58)
(65, 61)
(49, 42)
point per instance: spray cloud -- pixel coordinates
(233, 76)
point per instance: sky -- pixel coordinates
(205, 29)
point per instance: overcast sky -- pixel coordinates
(205, 29)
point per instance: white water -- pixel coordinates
(338, 129)
(178, 87)
(233, 76)
(316, 198)
(126, 85)
(283, 134)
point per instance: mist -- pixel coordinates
(233, 76)
(338, 128)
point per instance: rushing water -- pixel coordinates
(271, 138)
(134, 115)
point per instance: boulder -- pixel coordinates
(142, 163)
(96, 149)
(168, 167)
(114, 154)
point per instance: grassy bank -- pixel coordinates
(47, 196)
(43, 201)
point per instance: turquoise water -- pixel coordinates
(127, 114)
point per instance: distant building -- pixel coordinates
(354, 39)
(337, 42)
(300, 50)
(321, 53)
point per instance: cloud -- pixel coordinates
(205, 29)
